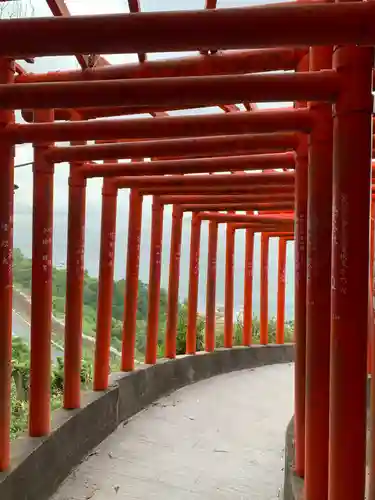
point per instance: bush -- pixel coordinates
(182, 330)
(57, 383)
(19, 415)
(140, 339)
(20, 384)
(238, 332)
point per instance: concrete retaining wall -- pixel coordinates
(293, 485)
(39, 465)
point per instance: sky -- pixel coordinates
(23, 197)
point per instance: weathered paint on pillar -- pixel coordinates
(352, 134)
(6, 276)
(318, 292)
(211, 286)
(41, 288)
(264, 251)
(74, 290)
(248, 287)
(154, 281)
(300, 303)
(74, 282)
(105, 286)
(174, 280)
(280, 319)
(131, 284)
(195, 238)
(229, 286)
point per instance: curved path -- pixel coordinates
(221, 438)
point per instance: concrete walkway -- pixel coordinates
(221, 438)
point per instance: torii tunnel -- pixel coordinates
(300, 171)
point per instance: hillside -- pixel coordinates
(22, 240)
(21, 304)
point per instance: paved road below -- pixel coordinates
(221, 438)
(21, 328)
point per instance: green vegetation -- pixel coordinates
(22, 281)
(21, 355)
(20, 384)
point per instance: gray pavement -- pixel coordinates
(21, 328)
(221, 438)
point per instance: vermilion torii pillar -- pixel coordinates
(264, 251)
(300, 302)
(211, 286)
(300, 288)
(318, 298)
(74, 291)
(154, 280)
(352, 137)
(195, 238)
(41, 291)
(105, 285)
(6, 275)
(280, 317)
(131, 286)
(174, 279)
(248, 287)
(229, 286)
(74, 287)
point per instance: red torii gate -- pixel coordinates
(323, 181)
